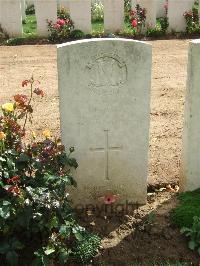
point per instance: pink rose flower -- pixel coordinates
(134, 23)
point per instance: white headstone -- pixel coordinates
(176, 9)
(11, 17)
(80, 12)
(113, 15)
(134, 3)
(104, 88)
(45, 9)
(30, 2)
(151, 8)
(191, 137)
(23, 9)
(160, 10)
(64, 3)
(199, 11)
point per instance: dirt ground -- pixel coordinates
(127, 239)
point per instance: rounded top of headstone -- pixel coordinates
(102, 40)
(197, 41)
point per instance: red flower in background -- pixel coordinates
(134, 23)
(61, 22)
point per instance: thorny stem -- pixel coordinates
(31, 96)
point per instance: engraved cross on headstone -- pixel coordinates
(107, 149)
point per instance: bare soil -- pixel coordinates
(127, 239)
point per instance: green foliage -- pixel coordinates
(188, 208)
(15, 41)
(77, 34)
(164, 24)
(30, 10)
(30, 26)
(97, 11)
(137, 18)
(194, 234)
(127, 9)
(60, 30)
(35, 179)
(192, 19)
(160, 29)
(86, 248)
(63, 13)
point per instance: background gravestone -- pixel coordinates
(104, 88)
(176, 9)
(113, 15)
(80, 13)
(11, 17)
(45, 10)
(191, 137)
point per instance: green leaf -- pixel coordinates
(78, 236)
(4, 248)
(16, 244)
(12, 258)
(5, 211)
(49, 251)
(192, 244)
(65, 230)
(198, 250)
(72, 162)
(63, 256)
(23, 158)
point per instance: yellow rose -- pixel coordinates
(2, 135)
(46, 133)
(8, 107)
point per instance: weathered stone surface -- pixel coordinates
(104, 88)
(45, 10)
(176, 9)
(63, 3)
(113, 15)
(191, 137)
(10, 17)
(23, 9)
(160, 10)
(151, 9)
(80, 12)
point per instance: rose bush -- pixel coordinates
(137, 18)
(60, 30)
(37, 222)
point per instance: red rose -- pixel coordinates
(134, 23)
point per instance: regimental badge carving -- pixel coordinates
(107, 71)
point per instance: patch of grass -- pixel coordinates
(189, 207)
(30, 26)
(98, 26)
